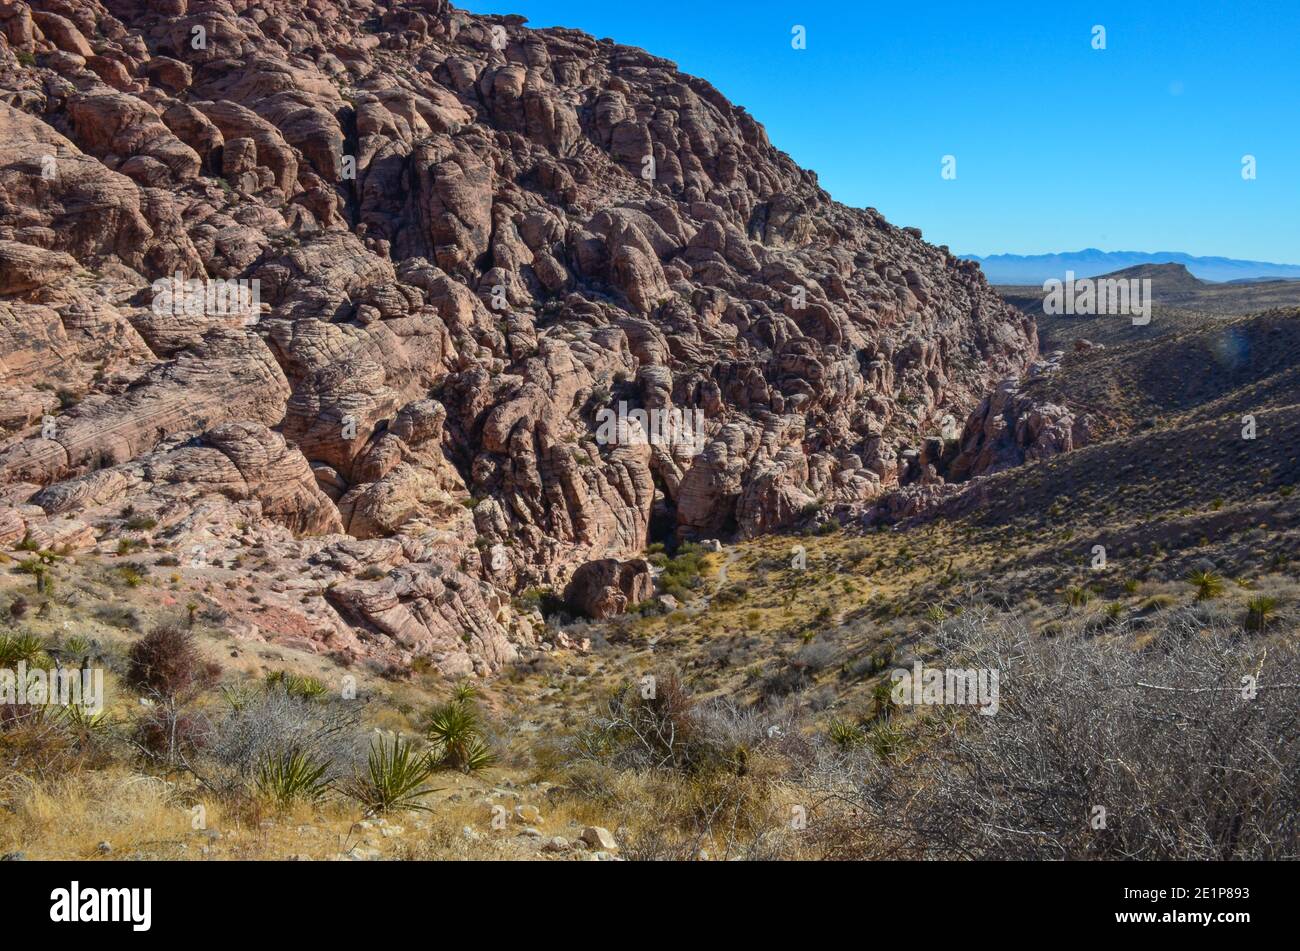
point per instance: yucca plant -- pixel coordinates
(844, 734)
(82, 720)
(1258, 611)
(238, 695)
(292, 775)
(1208, 585)
(393, 778)
(297, 685)
(886, 740)
(1077, 597)
(24, 648)
(77, 646)
(883, 704)
(476, 755)
(457, 736)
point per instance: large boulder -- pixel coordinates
(607, 587)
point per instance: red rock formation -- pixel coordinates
(468, 236)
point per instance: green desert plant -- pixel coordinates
(394, 778)
(292, 775)
(20, 648)
(844, 734)
(1208, 585)
(296, 685)
(1258, 611)
(457, 736)
(1077, 597)
(77, 646)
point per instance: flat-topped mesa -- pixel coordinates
(468, 239)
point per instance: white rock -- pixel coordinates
(598, 837)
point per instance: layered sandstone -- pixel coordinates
(468, 237)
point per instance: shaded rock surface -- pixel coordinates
(604, 588)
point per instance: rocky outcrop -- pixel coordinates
(1016, 424)
(606, 587)
(434, 612)
(467, 238)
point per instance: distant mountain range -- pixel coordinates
(1090, 262)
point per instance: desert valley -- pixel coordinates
(435, 438)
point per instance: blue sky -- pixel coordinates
(1058, 146)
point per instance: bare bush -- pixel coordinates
(1164, 737)
(273, 723)
(166, 663)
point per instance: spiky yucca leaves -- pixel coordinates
(1208, 584)
(1077, 596)
(292, 775)
(296, 685)
(1258, 611)
(82, 720)
(393, 779)
(25, 648)
(844, 734)
(77, 646)
(457, 735)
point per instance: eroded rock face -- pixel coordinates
(1015, 424)
(606, 587)
(468, 238)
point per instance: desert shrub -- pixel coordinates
(658, 725)
(167, 663)
(393, 779)
(291, 776)
(130, 574)
(36, 741)
(456, 731)
(544, 600)
(1208, 584)
(704, 774)
(170, 733)
(785, 681)
(1162, 738)
(1258, 611)
(814, 657)
(118, 616)
(682, 574)
(1157, 602)
(262, 726)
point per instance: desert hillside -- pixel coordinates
(313, 319)
(468, 238)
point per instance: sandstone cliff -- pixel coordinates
(467, 237)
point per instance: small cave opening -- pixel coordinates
(663, 517)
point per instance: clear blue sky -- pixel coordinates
(1058, 146)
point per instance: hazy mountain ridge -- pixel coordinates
(1092, 262)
